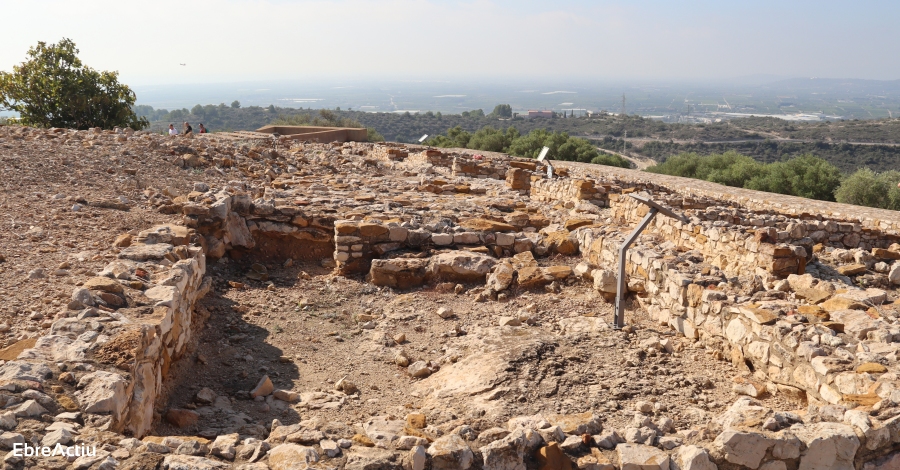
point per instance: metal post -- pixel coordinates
(620, 287)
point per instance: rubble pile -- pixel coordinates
(212, 302)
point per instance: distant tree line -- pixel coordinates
(561, 145)
(805, 176)
(847, 157)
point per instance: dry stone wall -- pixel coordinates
(800, 357)
(126, 326)
(570, 191)
(733, 248)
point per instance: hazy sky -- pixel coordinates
(226, 41)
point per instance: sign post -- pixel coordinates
(619, 319)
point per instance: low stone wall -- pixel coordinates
(885, 222)
(431, 157)
(124, 329)
(469, 167)
(569, 191)
(393, 153)
(357, 243)
(810, 359)
(734, 249)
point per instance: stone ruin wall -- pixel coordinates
(167, 264)
(130, 352)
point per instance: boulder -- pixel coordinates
(370, 458)
(291, 457)
(460, 266)
(742, 448)
(450, 453)
(189, 462)
(694, 458)
(182, 418)
(501, 277)
(829, 446)
(224, 446)
(103, 393)
(604, 281)
(641, 457)
(398, 273)
(577, 423)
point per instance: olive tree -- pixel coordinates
(54, 89)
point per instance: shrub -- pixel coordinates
(867, 188)
(611, 160)
(805, 176)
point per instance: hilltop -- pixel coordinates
(239, 301)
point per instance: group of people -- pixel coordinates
(187, 129)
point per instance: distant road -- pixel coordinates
(640, 140)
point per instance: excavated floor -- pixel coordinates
(303, 331)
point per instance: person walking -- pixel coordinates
(188, 130)
(202, 129)
(172, 130)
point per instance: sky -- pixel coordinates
(492, 40)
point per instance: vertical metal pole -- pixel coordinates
(619, 320)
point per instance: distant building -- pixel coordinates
(577, 112)
(541, 114)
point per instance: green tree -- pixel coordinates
(235, 104)
(502, 111)
(197, 110)
(805, 176)
(611, 160)
(373, 136)
(456, 138)
(493, 140)
(54, 89)
(866, 188)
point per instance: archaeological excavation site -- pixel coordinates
(257, 301)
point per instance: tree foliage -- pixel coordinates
(562, 146)
(867, 188)
(611, 160)
(502, 111)
(805, 176)
(53, 88)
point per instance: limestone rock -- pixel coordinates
(263, 388)
(224, 446)
(367, 458)
(551, 457)
(641, 457)
(460, 266)
(742, 448)
(187, 462)
(291, 457)
(829, 446)
(182, 418)
(450, 453)
(205, 396)
(604, 281)
(578, 423)
(694, 458)
(103, 392)
(399, 273)
(501, 277)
